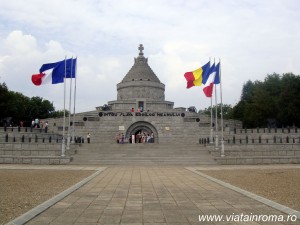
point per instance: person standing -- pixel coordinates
(137, 137)
(88, 137)
(46, 127)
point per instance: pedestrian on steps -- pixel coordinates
(88, 137)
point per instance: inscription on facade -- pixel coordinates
(145, 114)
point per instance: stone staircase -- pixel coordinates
(257, 146)
(31, 146)
(142, 154)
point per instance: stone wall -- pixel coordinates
(171, 126)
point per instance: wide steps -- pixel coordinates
(137, 154)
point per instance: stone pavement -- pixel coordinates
(153, 195)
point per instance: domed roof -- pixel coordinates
(140, 69)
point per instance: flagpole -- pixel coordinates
(222, 125)
(216, 125)
(211, 121)
(70, 103)
(63, 145)
(73, 125)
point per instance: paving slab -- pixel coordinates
(155, 195)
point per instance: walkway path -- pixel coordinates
(151, 196)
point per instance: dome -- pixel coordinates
(141, 82)
(140, 69)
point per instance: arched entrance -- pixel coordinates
(142, 126)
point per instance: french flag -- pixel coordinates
(54, 73)
(212, 78)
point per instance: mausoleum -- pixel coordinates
(141, 107)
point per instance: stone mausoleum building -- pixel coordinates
(141, 107)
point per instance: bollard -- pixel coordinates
(43, 140)
(259, 139)
(19, 129)
(252, 140)
(25, 129)
(29, 140)
(293, 140)
(50, 139)
(36, 138)
(23, 138)
(267, 140)
(4, 128)
(246, 139)
(287, 139)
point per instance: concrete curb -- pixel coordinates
(42, 207)
(263, 200)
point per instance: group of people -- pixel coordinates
(120, 138)
(36, 123)
(139, 137)
(139, 109)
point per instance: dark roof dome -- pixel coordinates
(140, 69)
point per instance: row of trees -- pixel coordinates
(269, 103)
(18, 107)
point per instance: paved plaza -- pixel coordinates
(152, 195)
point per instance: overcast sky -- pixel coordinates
(252, 38)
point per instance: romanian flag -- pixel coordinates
(194, 78)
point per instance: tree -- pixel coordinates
(20, 107)
(277, 99)
(289, 100)
(227, 111)
(4, 98)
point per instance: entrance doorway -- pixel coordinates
(139, 128)
(141, 106)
